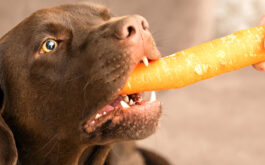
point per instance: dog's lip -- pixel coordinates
(116, 112)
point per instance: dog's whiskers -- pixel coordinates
(47, 148)
(75, 78)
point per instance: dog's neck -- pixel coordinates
(54, 153)
(53, 150)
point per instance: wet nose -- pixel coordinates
(131, 26)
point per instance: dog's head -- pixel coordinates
(61, 72)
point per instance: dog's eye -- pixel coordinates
(49, 46)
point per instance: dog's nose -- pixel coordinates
(131, 26)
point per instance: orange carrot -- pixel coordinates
(204, 61)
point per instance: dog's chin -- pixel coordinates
(128, 117)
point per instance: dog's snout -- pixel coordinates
(131, 26)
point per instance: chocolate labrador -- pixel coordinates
(61, 71)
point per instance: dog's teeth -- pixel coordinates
(92, 122)
(140, 99)
(131, 102)
(153, 96)
(145, 60)
(98, 116)
(85, 126)
(124, 104)
(126, 98)
(104, 113)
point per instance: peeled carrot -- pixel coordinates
(201, 62)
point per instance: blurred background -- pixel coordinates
(217, 121)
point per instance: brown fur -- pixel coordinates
(48, 97)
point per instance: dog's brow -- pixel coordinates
(54, 29)
(50, 30)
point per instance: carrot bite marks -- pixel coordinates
(204, 61)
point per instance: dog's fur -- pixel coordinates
(48, 97)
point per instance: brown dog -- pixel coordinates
(61, 72)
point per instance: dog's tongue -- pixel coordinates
(111, 106)
(107, 108)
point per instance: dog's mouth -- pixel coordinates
(127, 116)
(127, 113)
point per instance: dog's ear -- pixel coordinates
(8, 150)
